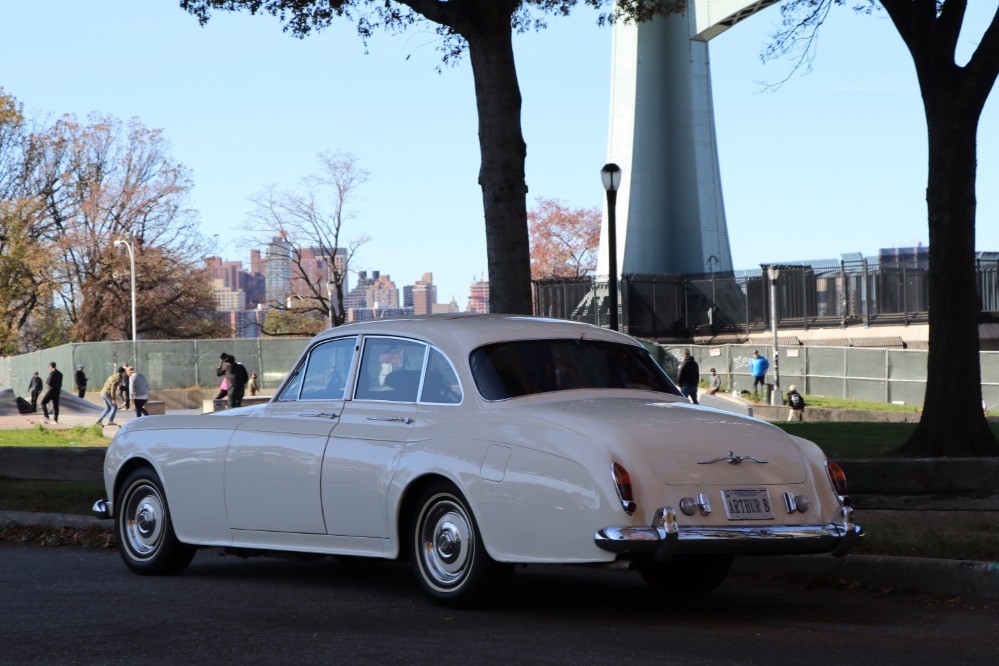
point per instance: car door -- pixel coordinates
(273, 470)
(372, 432)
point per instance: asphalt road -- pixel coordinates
(67, 605)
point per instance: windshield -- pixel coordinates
(511, 369)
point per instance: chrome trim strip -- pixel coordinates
(327, 415)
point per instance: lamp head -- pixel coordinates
(118, 242)
(611, 176)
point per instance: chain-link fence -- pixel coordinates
(880, 375)
(165, 363)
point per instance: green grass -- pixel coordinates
(866, 405)
(856, 440)
(951, 535)
(852, 440)
(843, 403)
(74, 497)
(80, 435)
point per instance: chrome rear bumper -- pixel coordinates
(664, 538)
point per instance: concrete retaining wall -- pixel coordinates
(944, 484)
(53, 463)
(768, 413)
(966, 484)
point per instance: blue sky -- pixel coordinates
(832, 162)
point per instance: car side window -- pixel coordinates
(290, 392)
(326, 372)
(390, 370)
(440, 384)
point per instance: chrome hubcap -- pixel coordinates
(447, 542)
(143, 520)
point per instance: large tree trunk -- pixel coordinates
(953, 423)
(501, 176)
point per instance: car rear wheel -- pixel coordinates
(449, 559)
(143, 528)
(687, 574)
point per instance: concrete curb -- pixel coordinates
(38, 519)
(970, 580)
(966, 579)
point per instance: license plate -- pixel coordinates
(748, 504)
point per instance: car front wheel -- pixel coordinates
(143, 528)
(449, 559)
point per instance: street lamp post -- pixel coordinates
(131, 265)
(329, 291)
(773, 272)
(611, 176)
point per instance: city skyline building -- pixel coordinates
(277, 269)
(242, 299)
(421, 295)
(227, 298)
(478, 296)
(377, 294)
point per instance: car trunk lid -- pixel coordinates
(691, 445)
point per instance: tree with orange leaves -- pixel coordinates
(564, 240)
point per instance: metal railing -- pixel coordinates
(868, 291)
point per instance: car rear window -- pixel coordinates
(523, 367)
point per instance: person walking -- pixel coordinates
(797, 404)
(54, 384)
(81, 381)
(252, 386)
(236, 377)
(758, 367)
(688, 376)
(35, 389)
(109, 394)
(123, 394)
(138, 388)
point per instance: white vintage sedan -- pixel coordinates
(468, 444)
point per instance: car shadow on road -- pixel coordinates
(542, 591)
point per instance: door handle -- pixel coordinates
(328, 415)
(394, 419)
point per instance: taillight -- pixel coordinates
(838, 479)
(622, 481)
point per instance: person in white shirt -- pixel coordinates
(138, 387)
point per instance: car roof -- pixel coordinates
(469, 331)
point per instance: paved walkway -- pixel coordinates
(69, 420)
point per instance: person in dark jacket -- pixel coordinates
(81, 381)
(35, 389)
(235, 376)
(688, 376)
(797, 405)
(54, 383)
(123, 393)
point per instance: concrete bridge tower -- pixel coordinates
(670, 213)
